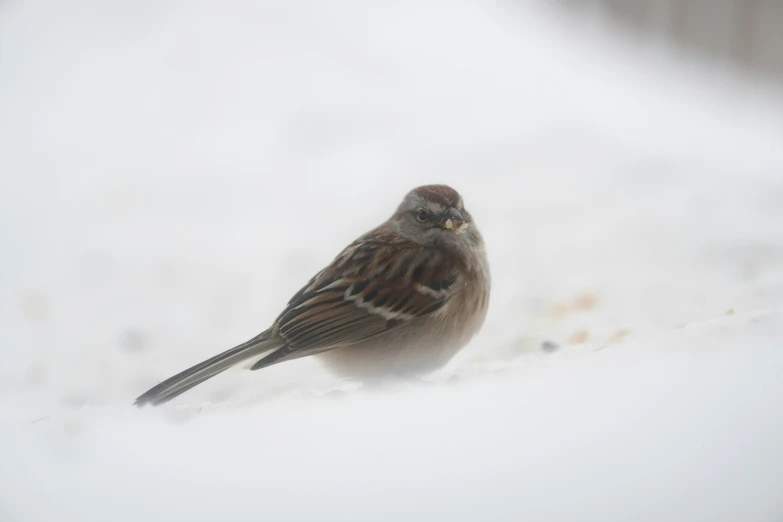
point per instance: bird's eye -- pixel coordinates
(422, 215)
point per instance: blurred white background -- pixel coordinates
(172, 172)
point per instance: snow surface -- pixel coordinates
(172, 172)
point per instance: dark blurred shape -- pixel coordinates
(746, 33)
(133, 340)
(549, 346)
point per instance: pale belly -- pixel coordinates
(418, 348)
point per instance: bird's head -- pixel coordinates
(434, 215)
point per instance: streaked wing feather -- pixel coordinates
(349, 302)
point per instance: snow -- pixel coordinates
(173, 172)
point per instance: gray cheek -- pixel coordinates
(445, 239)
(461, 241)
(425, 236)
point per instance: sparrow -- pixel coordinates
(401, 300)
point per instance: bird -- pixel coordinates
(401, 300)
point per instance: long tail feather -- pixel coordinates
(282, 354)
(183, 381)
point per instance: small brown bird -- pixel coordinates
(402, 299)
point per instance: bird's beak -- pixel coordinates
(452, 220)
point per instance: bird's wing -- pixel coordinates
(378, 283)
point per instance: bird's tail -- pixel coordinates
(183, 381)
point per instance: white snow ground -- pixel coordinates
(173, 172)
